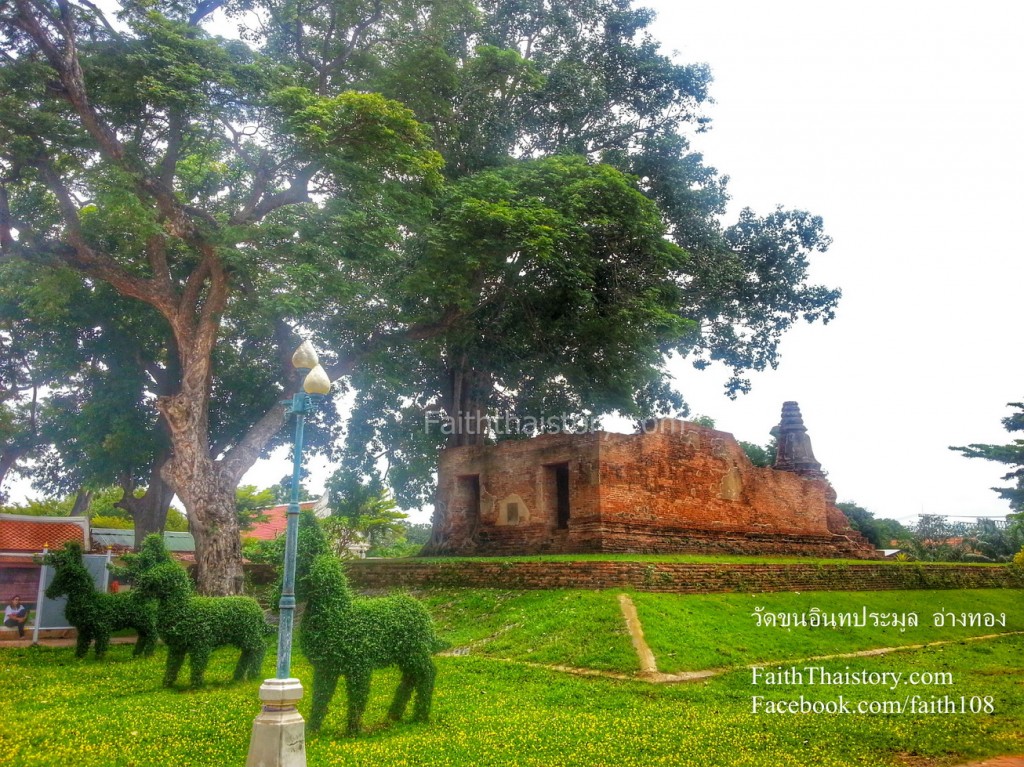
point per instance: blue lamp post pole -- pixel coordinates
(301, 403)
(278, 733)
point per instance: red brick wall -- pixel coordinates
(690, 477)
(517, 472)
(678, 487)
(683, 578)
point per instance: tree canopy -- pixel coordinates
(470, 206)
(1011, 454)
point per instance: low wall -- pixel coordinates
(677, 577)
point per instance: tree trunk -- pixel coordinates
(7, 460)
(150, 511)
(82, 501)
(214, 524)
(150, 514)
(466, 401)
(208, 493)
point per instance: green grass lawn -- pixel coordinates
(688, 632)
(691, 632)
(57, 710)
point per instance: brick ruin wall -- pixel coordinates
(679, 487)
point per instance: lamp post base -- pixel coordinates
(279, 732)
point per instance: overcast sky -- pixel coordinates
(901, 124)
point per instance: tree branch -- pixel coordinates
(204, 9)
(244, 455)
(6, 222)
(80, 254)
(296, 193)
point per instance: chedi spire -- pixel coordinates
(794, 451)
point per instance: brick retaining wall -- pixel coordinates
(678, 577)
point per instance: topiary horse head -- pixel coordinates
(152, 552)
(194, 626)
(94, 615)
(349, 637)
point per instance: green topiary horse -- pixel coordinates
(195, 626)
(96, 616)
(344, 636)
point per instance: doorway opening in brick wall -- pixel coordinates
(469, 496)
(556, 491)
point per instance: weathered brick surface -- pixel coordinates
(678, 487)
(677, 577)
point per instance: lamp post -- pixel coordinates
(278, 733)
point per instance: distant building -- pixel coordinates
(276, 521)
(181, 545)
(22, 539)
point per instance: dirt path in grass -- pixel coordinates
(649, 665)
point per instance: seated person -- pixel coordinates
(15, 615)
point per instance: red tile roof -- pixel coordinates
(277, 520)
(24, 533)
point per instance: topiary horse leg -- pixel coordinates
(198, 659)
(175, 657)
(102, 642)
(256, 661)
(424, 690)
(357, 684)
(249, 663)
(242, 666)
(144, 643)
(324, 685)
(82, 642)
(402, 695)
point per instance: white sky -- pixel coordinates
(901, 124)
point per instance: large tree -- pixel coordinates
(581, 230)
(571, 247)
(165, 164)
(1011, 455)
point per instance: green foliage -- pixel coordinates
(250, 503)
(283, 491)
(347, 637)
(703, 420)
(361, 512)
(405, 541)
(151, 553)
(114, 523)
(97, 616)
(42, 507)
(239, 189)
(176, 521)
(264, 552)
(936, 539)
(1011, 454)
(195, 626)
(758, 455)
(880, 532)
(311, 543)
